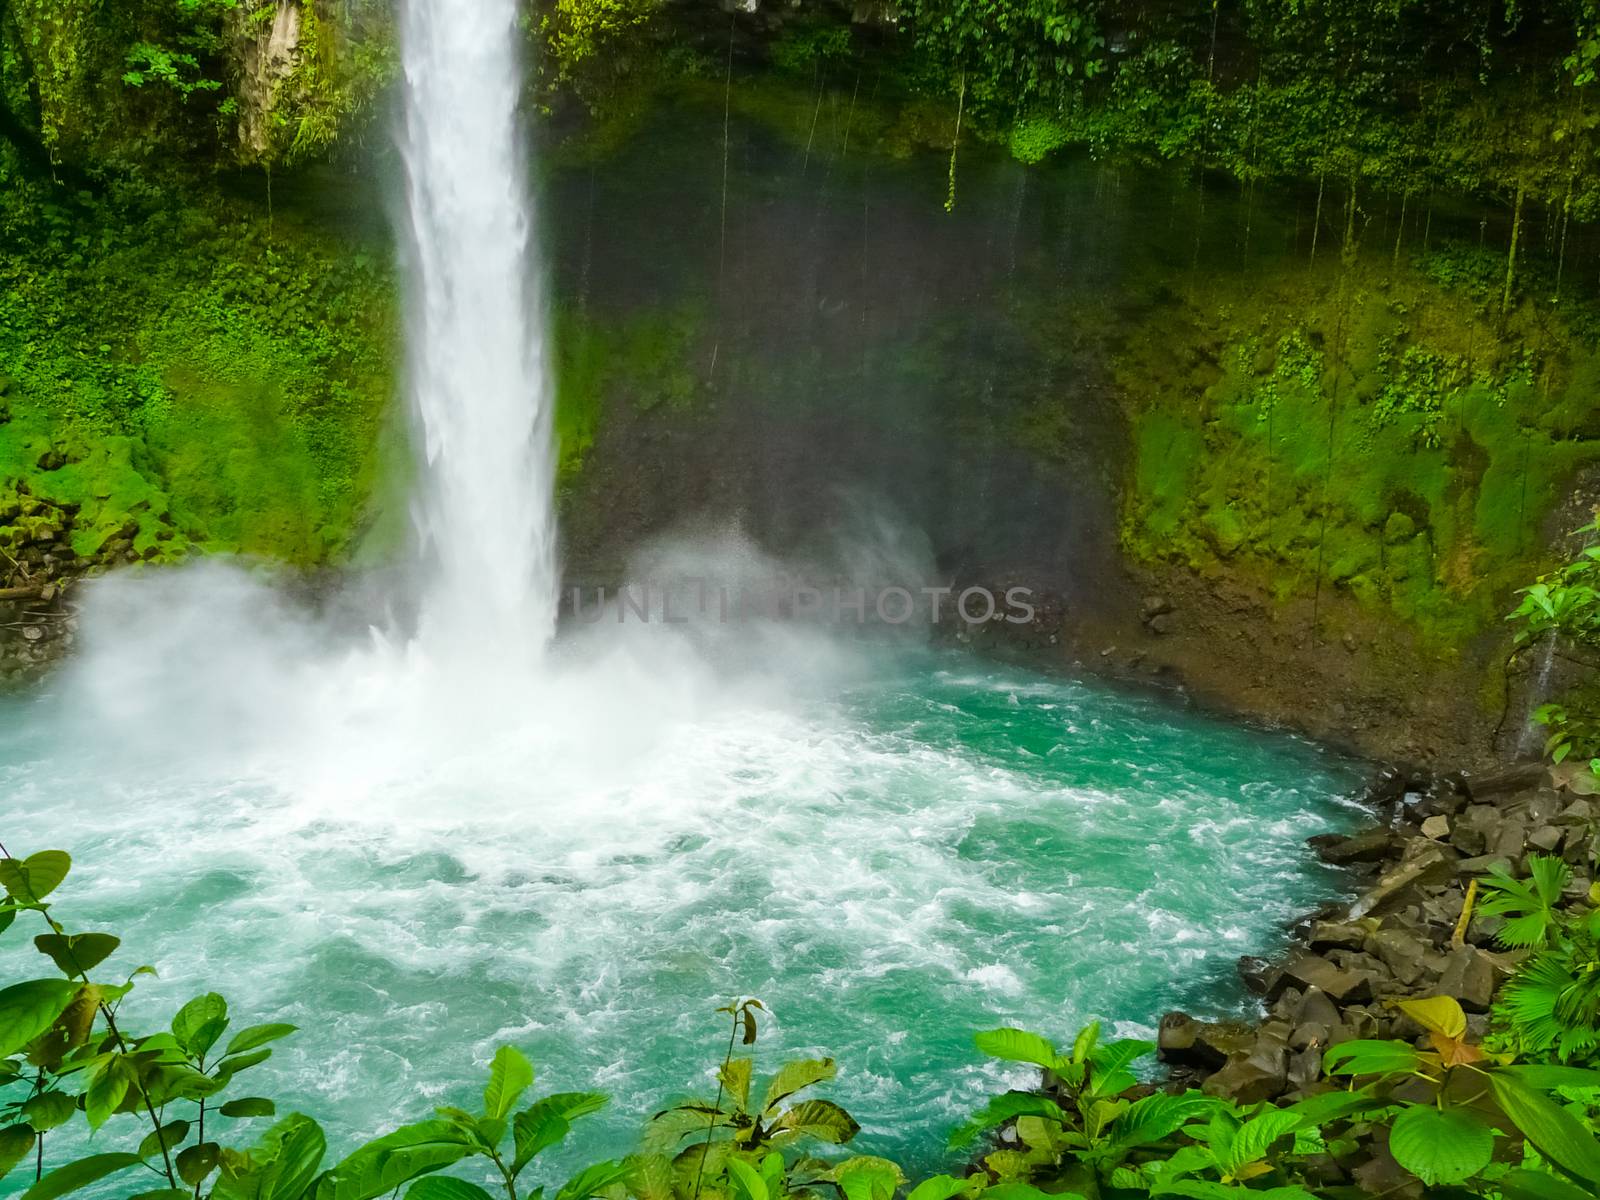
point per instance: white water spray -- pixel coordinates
(479, 384)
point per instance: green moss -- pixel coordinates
(645, 358)
(190, 374)
(1380, 433)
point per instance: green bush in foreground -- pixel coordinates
(1459, 1118)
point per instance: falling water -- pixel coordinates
(479, 386)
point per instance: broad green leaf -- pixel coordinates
(227, 1068)
(941, 1187)
(1440, 1147)
(1536, 1185)
(107, 1090)
(750, 1184)
(1254, 1137)
(1013, 1190)
(169, 1135)
(734, 1075)
(200, 1023)
(1370, 1058)
(1002, 1108)
(867, 1178)
(16, 1141)
(257, 1035)
(28, 1009)
(820, 1119)
(1546, 1076)
(385, 1163)
(1555, 1132)
(79, 1174)
(795, 1077)
(78, 953)
(48, 1110)
(595, 1179)
(249, 1106)
(1018, 1045)
(1159, 1116)
(547, 1121)
(510, 1074)
(164, 1194)
(281, 1166)
(1333, 1106)
(1437, 1014)
(33, 878)
(194, 1163)
(445, 1187)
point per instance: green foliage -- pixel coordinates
(1563, 608)
(1552, 1006)
(231, 396)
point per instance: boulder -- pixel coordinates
(1506, 782)
(1407, 956)
(1469, 976)
(1184, 1041)
(1313, 971)
(1315, 1007)
(1370, 846)
(1424, 862)
(1326, 934)
(1261, 1073)
(1436, 827)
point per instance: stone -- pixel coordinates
(1259, 1074)
(1475, 829)
(1370, 846)
(1436, 827)
(1546, 838)
(1325, 934)
(1401, 951)
(1309, 1035)
(1313, 971)
(1510, 839)
(1305, 1067)
(32, 633)
(1315, 1007)
(1469, 976)
(1259, 976)
(1183, 1041)
(1162, 623)
(1519, 778)
(1425, 862)
(1155, 606)
(1482, 864)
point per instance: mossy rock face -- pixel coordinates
(1386, 435)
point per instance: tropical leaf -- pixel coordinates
(546, 1122)
(1437, 1014)
(942, 1187)
(194, 1163)
(749, 1182)
(48, 1110)
(29, 1009)
(385, 1163)
(867, 1178)
(249, 1106)
(1255, 1137)
(199, 1023)
(1153, 1118)
(820, 1119)
(31, 879)
(595, 1179)
(169, 1135)
(79, 953)
(734, 1075)
(510, 1074)
(1554, 1132)
(1523, 1184)
(1006, 1107)
(795, 1077)
(16, 1141)
(257, 1035)
(1440, 1146)
(1368, 1057)
(79, 1174)
(446, 1187)
(1018, 1045)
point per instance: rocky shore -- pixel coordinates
(1401, 936)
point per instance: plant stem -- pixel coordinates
(716, 1108)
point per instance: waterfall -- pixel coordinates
(478, 379)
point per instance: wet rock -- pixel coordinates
(1328, 934)
(1404, 953)
(1369, 846)
(1182, 1040)
(1315, 1007)
(1313, 971)
(1436, 827)
(1155, 606)
(1424, 863)
(1258, 975)
(1469, 976)
(1506, 782)
(1259, 1074)
(1546, 839)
